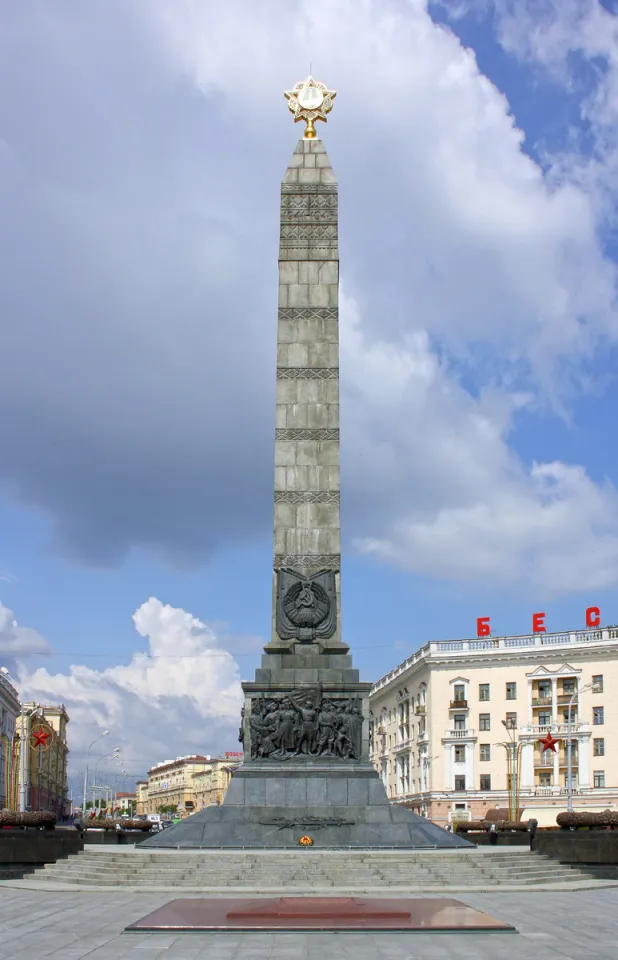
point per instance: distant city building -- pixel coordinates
(141, 797)
(126, 802)
(9, 744)
(211, 784)
(43, 755)
(186, 784)
(443, 721)
(170, 784)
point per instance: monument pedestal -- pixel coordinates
(334, 804)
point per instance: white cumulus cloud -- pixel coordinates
(17, 641)
(182, 695)
(139, 243)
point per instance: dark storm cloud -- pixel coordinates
(137, 341)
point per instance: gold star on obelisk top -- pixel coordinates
(310, 101)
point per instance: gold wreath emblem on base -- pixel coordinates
(305, 841)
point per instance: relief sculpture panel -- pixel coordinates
(305, 723)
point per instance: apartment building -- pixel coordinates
(43, 758)
(211, 784)
(457, 726)
(9, 743)
(141, 797)
(171, 784)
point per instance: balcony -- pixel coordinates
(403, 744)
(556, 729)
(541, 701)
(563, 699)
(544, 761)
(458, 705)
(420, 709)
(459, 734)
(422, 737)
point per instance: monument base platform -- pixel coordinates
(422, 915)
(332, 804)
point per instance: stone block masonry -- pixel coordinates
(307, 535)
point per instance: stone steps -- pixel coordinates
(309, 871)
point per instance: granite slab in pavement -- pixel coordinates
(75, 926)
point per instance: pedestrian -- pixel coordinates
(493, 835)
(119, 833)
(532, 825)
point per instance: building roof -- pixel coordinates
(179, 762)
(524, 646)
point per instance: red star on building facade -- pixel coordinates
(40, 737)
(549, 743)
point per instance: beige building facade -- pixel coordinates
(10, 708)
(141, 797)
(43, 758)
(171, 784)
(212, 783)
(456, 728)
(187, 784)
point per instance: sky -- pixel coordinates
(142, 146)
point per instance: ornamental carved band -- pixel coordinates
(307, 373)
(307, 433)
(305, 724)
(306, 606)
(319, 561)
(307, 496)
(308, 188)
(300, 233)
(308, 313)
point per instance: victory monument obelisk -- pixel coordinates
(306, 776)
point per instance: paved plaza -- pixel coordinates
(72, 926)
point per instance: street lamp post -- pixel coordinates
(513, 749)
(101, 735)
(576, 693)
(113, 753)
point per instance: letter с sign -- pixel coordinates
(593, 619)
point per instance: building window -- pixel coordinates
(460, 783)
(459, 692)
(511, 691)
(545, 779)
(568, 687)
(598, 779)
(544, 719)
(460, 754)
(598, 745)
(485, 781)
(485, 751)
(484, 721)
(483, 691)
(598, 716)
(460, 721)
(597, 683)
(511, 721)
(544, 689)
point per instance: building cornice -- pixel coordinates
(493, 651)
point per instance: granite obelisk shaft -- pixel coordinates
(307, 536)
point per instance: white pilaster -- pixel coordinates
(584, 750)
(527, 765)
